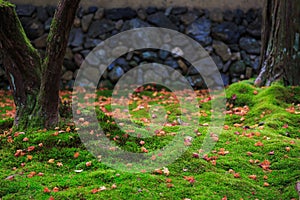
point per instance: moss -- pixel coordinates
(243, 92)
(6, 4)
(277, 95)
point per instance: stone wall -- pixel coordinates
(206, 4)
(232, 37)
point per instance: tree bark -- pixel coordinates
(280, 52)
(21, 61)
(52, 66)
(35, 82)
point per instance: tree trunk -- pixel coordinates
(22, 63)
(35, 82)
(52, 65)
(280, 52)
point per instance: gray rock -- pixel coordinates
(234, 47)
(248, 73)
(78, 59)
(42, 14)
(92, 9)
(168, 11)
(171, 63)
(175, 19)
(251, 15)
(159, 19)
(115, 74)
(182, 66)
(50, 10)
(122, 62)
(228, 32)
(236, 56)
(237, 68)
(100, 27)
(177, 52)
(227, 66)
(86, 21)
(41, 42)
(163, 54)
(150, 10)
(255, 64)
(76, 37)
(246, 58)
(92, 74)
(238, 16)
(77, 22)
(120, 13)
(225, 78)
(34, 29)
(2, 72)
(68, 75)
(141, 13)
(250, 45)
(107, 84)
(77, 49)
(216, 15)
(25, 10)
(217, 61)
(47, 24)
(149, 56)
(254, 29)
(200, 31)
(86, 52)
(179, 10)
(228, 15)
(99, 14)
(188, 18)
(119, 24)
(91, 43)
(222, 50)
(134, 23)
(69, 54)
(119, 50)
(196, 81)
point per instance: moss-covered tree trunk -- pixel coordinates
(280, 58)
(35, 81)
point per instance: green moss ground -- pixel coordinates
(267, 122)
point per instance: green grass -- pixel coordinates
(267, 121)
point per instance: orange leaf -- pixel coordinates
(46, 190)
(76, 155)
(31, 148)
(236, 175)
(253, 177)
(168, 180)
(158, 171)
(55, 189)
(114, 186)
(259, 144)
(266, 184)
(265, 164)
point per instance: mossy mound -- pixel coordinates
(240, 94)
(268, 106)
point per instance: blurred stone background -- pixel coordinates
(228, 30)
